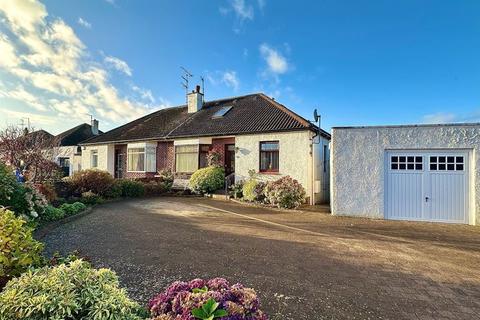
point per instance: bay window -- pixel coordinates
(190, 158)
(269, 156)
(141, 158)
(186, 158)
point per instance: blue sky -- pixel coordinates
(358, 62)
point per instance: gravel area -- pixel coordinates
(305, 265)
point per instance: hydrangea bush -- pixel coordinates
(181, 298)
(285, 192)
(24, 199)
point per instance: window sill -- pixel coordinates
(273, 173)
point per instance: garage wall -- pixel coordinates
(357, 165)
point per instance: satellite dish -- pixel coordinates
(315, 115)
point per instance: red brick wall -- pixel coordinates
(165, 160)
(220, 143)
(165, 156)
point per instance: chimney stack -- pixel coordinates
(195, 100)
(95, 126)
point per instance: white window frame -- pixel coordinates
(94, 153)
(149, 152)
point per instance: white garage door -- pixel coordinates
(427, 186)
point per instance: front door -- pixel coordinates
(119, 164)
(229, 159)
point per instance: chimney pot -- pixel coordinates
(197, 88)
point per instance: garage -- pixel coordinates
(427, 186)
(427, 172)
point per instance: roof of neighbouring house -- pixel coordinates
(253, 113)
(75, 135)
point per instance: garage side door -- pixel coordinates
(447, 192)
(405, 186)
(427, 186)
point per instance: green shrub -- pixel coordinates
(285, 192)
(18, 249)
(67, 291)
(51, 213)
(64, 188)
(96, 181)
(131, 188)
(207, 180)
(115, 191)
(8, 183)
(90, 198)
(73, 208)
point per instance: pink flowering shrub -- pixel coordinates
(180, 298)
(285, 192)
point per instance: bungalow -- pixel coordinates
(252, 132)
(64, 148)
(68, 153)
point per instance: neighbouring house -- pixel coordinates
(251, 132)
(69, 155)
(64, 148)
(410, 172)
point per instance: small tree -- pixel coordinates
(31, 152)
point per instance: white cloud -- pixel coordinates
(20, 94)
(118, 64)
(230, 79)
(242, 10)
(276, 62)
(9, 56)
(439, 117)
(47, 69)
(84, 23)
(112, 2)
(144, 93)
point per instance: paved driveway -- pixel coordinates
(303, 265)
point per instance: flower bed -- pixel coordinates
(181, 299)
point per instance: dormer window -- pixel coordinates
(221, 112)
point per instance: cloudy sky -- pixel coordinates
(358, 62)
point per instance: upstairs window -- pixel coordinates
(141, 159)
(269, 156)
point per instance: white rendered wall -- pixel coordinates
(294, 156)
(357, 163)
(106, 157)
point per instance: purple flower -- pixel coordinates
(180, 298)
